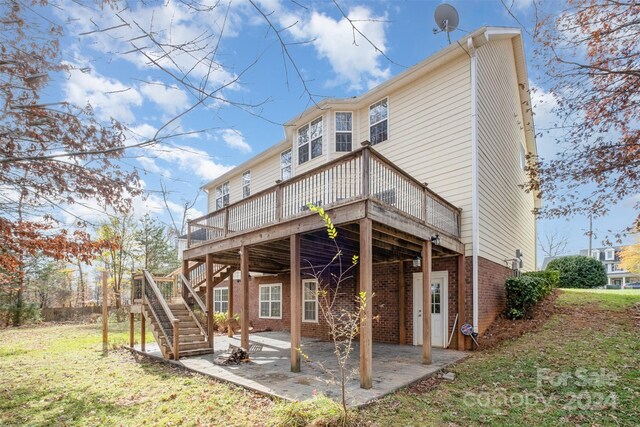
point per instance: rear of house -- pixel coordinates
(421, 177)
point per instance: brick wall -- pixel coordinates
(492, 298)
(385, 304)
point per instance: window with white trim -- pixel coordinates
(609, 255)
(523, 158)
(271, 301)
(222, 195)
(285, 165)
(221, 300)
(378, 126)
(309, 301)
(246, 184)
(344, 131)
(310, 141)
(595, 254)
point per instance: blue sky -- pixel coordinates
(262, 89)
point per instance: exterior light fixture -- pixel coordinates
(435, 239)
(417, 261)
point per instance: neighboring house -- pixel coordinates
(610, 257)
(433, 197)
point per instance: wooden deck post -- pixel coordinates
(132, 320)
(366, 286)
(176, 339)
(462, 285)
(185, 273)
(230, 305)
(366, 163)
(402, 308)
(209, 297)
(296, 302)
(426, 302)
(143, 331)
(244, 274)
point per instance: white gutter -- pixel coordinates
(475, 222)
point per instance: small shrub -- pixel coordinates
(221, 323)
(551, 276)
(523, 293)
(579, 271)
(26, 312)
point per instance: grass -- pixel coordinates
(593, 333)
(57, 375)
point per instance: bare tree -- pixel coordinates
(553, 244)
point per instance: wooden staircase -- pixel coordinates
(192, 338)
(175, 327)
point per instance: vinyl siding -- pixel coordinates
(430, 134)
(263, 175)
(506, 221)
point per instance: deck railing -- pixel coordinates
(360, 175)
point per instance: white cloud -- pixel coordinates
(356, 64)
(150, 165)
(354, 61)
(191, 161)
(170, 98)
(235, 139)
(171, 23)
(108, 96)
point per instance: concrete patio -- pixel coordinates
(394, 367)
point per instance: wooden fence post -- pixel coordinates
(105, 312)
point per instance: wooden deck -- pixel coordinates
(361, 184)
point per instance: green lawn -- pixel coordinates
(592, 334)
(57, 375)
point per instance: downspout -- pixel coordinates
(475, 222)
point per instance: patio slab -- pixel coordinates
(394, 367)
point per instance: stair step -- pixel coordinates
(189, 353)
(203, 345)
(196, 342)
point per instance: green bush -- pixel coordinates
(524, 292)
(220, 321)
(552, 277)
(579, 271)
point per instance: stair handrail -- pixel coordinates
(198, 300)
(175, 322)
(156, 290)
(196, 297)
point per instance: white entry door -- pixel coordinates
(439, 304)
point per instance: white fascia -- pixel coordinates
(475, 211)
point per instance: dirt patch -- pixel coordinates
(635, 314)
(504, 328)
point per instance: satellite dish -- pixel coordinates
(447, 19)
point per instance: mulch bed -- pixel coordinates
(504, 328)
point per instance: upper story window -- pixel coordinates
(523, 158)
(222, 195)
(378, 127)
(285, 165)
(595, 254)
(246, 184)
(310, 141)
(344, 131)
(609, 255)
